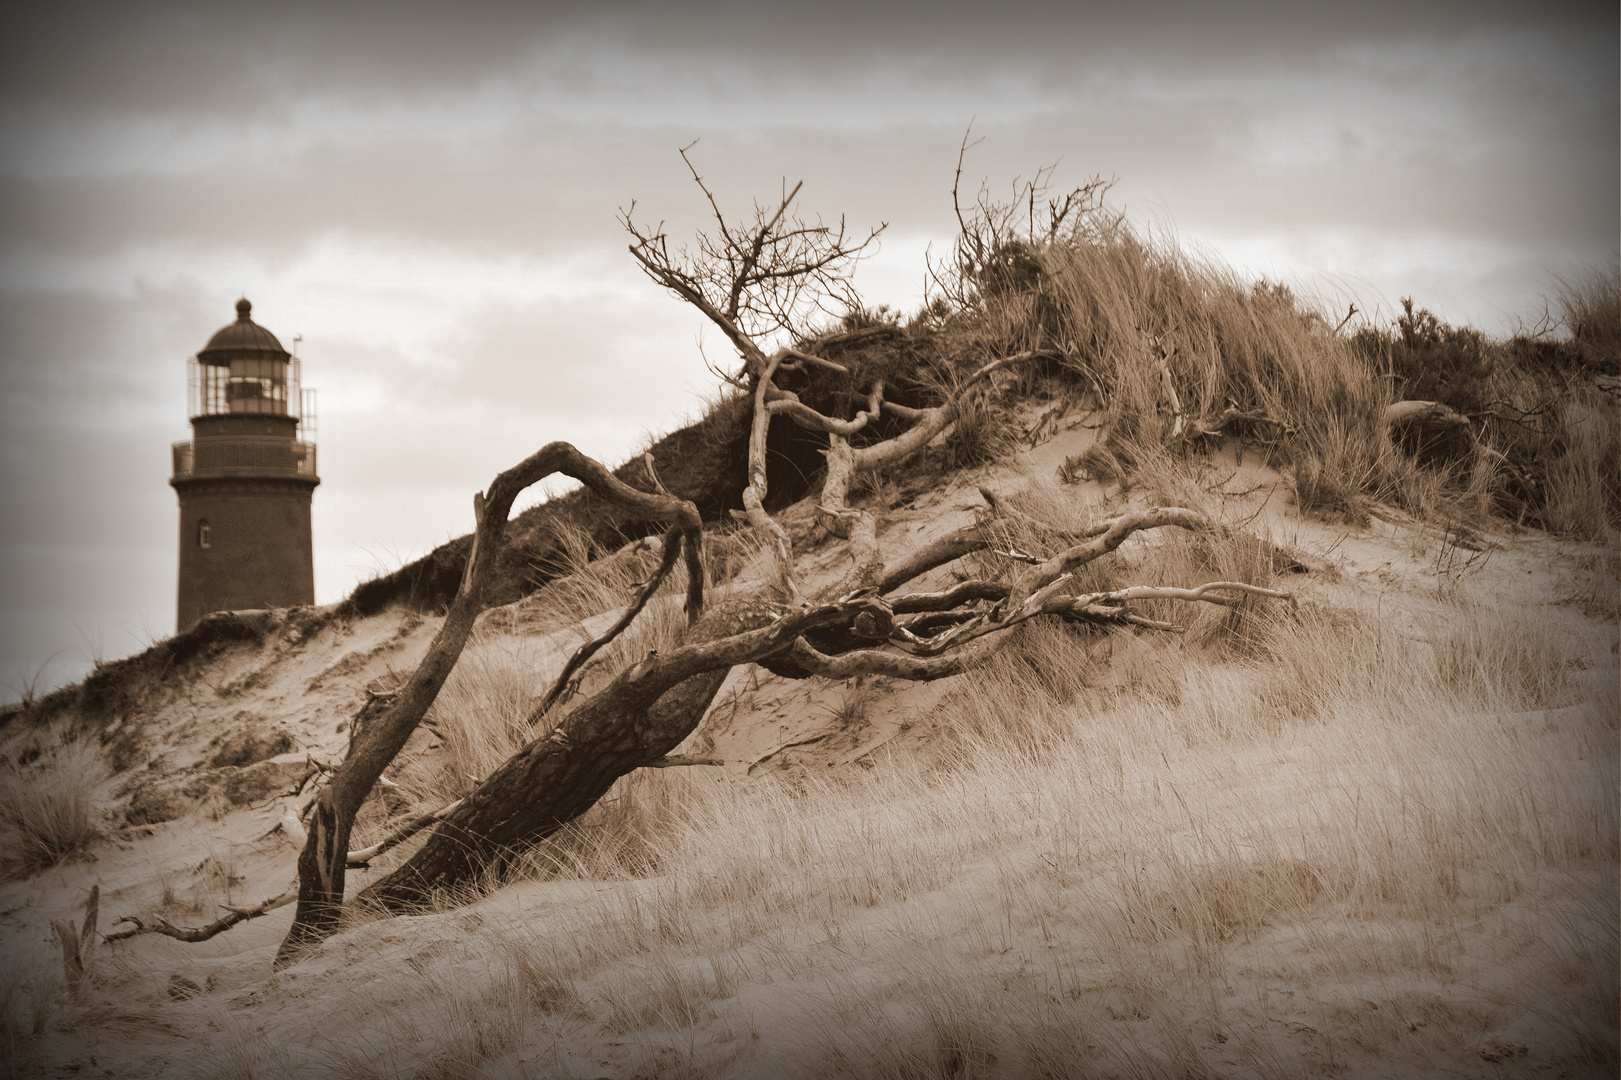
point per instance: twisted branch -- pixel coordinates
(324, 859)
(233, 916)
(672, 550)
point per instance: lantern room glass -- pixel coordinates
(245, 386)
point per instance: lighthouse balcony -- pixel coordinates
(245, 456)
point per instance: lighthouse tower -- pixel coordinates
(245, 477)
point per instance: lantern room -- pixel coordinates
(243, 370)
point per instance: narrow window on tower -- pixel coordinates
(205, 535)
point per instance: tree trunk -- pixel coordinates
(562, 774)
(383, 728)
(324, 860)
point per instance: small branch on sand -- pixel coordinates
(232, 917)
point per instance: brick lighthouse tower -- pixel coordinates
(245, 477)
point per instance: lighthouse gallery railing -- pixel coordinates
(243, 455)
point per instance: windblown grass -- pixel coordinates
(1164, 850)
(1348, 846)
(49, 807)
(1124, 304)
(1590, 309)
(481, 714)
(1107, 291)
(1583, 497)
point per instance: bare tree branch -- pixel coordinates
(672, 551)
(994, 246)
(811, 420)
(933, 421)
(1104, 607)
(754, 493)
(936, 553)
(1430, 413)
(1112, 536)
(323, 861)
(1164, 354)
(896, 665)
(360, 859)
(673, 761)
(757, 279)
(232, 917)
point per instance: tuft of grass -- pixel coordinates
(659, 993)
(1590, 306)
(477, 1026)
(1582, 496)
(481, 712)
(981, 432)
(49, 808)
(855, 700)
(1488, 653)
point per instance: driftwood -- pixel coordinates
(1422, 414)
(78, 946)
(643, 714)
(1231, 416)
(322, 863)
(233, 916)
(743, 279)
(1163, 355)
(649, 709)
(1430, 414)
(1439, 423)
(562, 774)
(672, 550)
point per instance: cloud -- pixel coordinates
(426, 196)
(245, 60)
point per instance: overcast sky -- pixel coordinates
(426, 196)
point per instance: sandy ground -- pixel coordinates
(226, 852)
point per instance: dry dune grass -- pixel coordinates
(1332, 839)
(1590, 308)
(1346, 848)
(481, 713)
(1111, 295)
(1112, 286)
(1583, 478)
(51, 806)
(1152, 864)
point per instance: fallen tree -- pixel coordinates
(751, 280)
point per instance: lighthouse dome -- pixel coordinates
(242, 340)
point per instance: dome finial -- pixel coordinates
(242, 309)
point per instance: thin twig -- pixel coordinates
(672, 550)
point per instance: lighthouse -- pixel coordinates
(245, 477)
